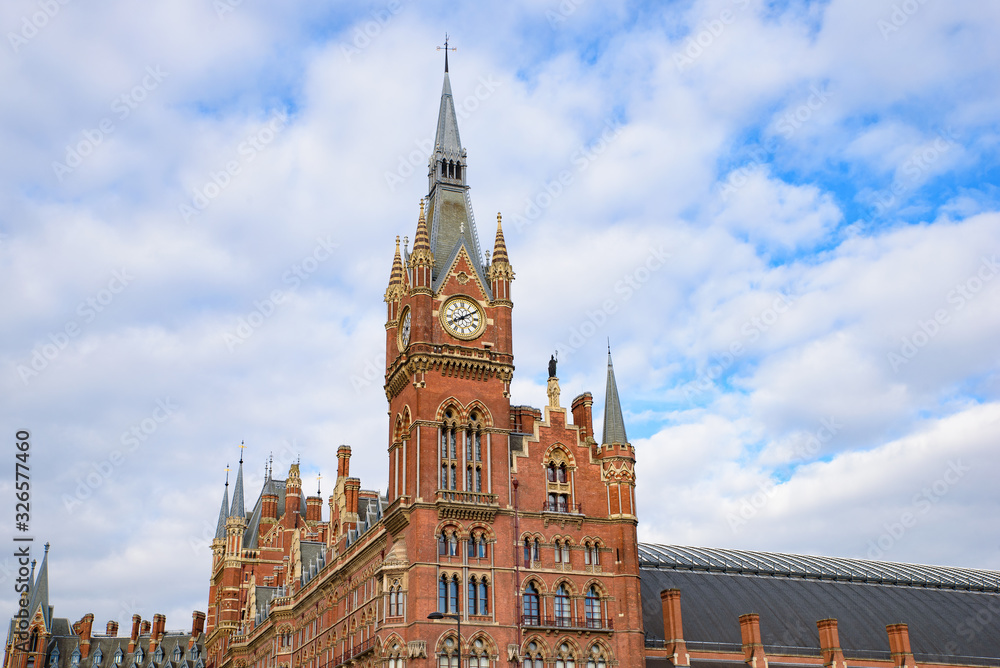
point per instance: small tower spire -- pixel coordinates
(500, 272)
(239, 509)
(220, 528)
(614, 423)
(395, 289)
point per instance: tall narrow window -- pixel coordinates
(479, 479)
(481, 548)
(534, 550)
(558, 552)
(473, 599)
(586, 554)
(565, 552)
(562, 477)
(472, 546)
(479, 447)
(454, 594)
(484, 597)
(562, 606)
(592, 607)
(527, 551)
(550, 472)
(453, 545)
(530, 605)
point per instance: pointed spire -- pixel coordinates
(614, 424)
(499, 245)
(220, 528)
(239, 509)
(422, 240)
(395, 289)
(40, 591)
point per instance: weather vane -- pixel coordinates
(446, 49)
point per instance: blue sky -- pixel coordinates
(783, 215)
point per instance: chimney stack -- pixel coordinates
(134, 638)
(197, 623)
(829, 644)
(673, 629)
(159, 622)
(83, 630)
(343, 461)
(112, 629)
(899, 645)
(753, 648)
(582, 408)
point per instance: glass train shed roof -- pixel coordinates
(748, 562)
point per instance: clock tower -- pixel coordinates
(449, 359)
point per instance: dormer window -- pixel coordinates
(54, 657)
(98, 657)
(119, 656)
(158, 656)
(178, 653)
(138, 655)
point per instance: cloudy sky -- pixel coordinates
(784, 215)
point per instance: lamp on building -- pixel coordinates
(458, 618)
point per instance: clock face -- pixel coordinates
(461, 316)
(404, 329)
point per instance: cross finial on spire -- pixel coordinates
(242, 446)
(446, 49)
(227, 475)
(319, 478)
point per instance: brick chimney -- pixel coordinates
(145, 628)
(112, 629)
(351, 488)
(582, 408)
(343, 461)
(134, 638)
(197, 623)
(899, 645)
(673, 629)
(829, 644)
(753, 648)
(83, 629)
(314, 509)
(159, 622)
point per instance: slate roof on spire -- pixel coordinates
(220, 528)
(40, 591)
(239, 508)
(614, 424)
(447, 138)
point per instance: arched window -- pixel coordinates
(532, 656)
(443, 594)
(448, 658)
(484, 597)
(558, 551)
(452, 545)
(586, 553)
(561, 474)
(530, 608)
(563, 504)
(454, 598)
(396, 654)
(478, 656)
(527, 551)
(565, 552)
(550, 472)
(481, 547)
(597, 659)
(473, 599)
(564, 657)
(592, 608)
(442, 544)
(562, 606)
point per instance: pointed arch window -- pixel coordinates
(530, 607)
(564, 657)
(448, 658)
(479, 657)
(532, 656)
(449, 454)
(592, 608)
(597, 658)
(443, 594)
(98, 657)
(453, 598)
(484, 597)
(562, 606)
